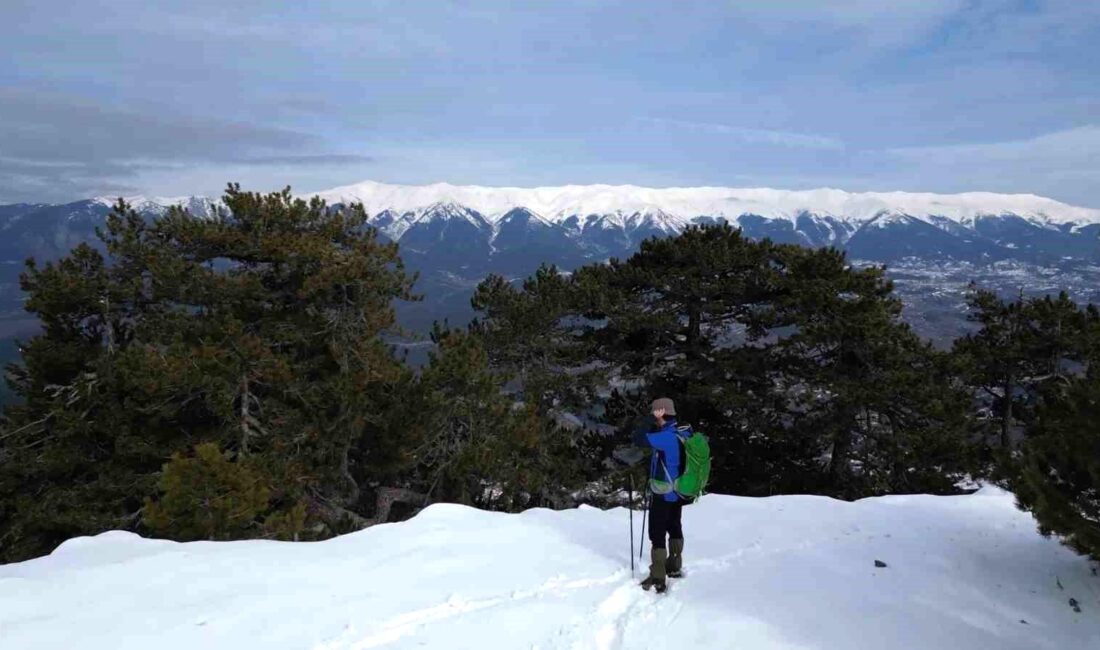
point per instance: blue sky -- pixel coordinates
(174, 98)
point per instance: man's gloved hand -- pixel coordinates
(646, 423)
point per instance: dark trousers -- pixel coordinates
(664, 519)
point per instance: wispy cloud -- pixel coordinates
(748, 135)
(40, 126)
(55, 147)
(869, 23)
(1064, 164)
(324, 159)
(1075, 148)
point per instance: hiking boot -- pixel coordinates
(675, 565)
(656, 580)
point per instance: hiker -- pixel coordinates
(659, 434)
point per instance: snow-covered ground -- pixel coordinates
(784, 572)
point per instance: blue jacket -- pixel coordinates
(666, 452)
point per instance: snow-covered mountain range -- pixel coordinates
(680, 206)
(600, 212)
(594, 221)
(455, 235)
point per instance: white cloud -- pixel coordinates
(846, 12)
(749, 135)
(58, 147)
(1064, 164)
(879, 23)
(1069, 149)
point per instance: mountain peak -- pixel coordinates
(682, 204)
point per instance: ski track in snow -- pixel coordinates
(625, 607)
(392, 630)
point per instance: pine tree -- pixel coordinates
(1035, 360)
(477, 444)
(538, 335)
(796, 365)
(1021, 346)
(259, 331)
(878, 399)
(689, 316)
(207, 496)
(1059, 466)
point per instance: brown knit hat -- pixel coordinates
(663, 403)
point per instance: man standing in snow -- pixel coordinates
(659, 434)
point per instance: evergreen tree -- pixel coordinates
(1021, 347)
(689, 316)
(258, 331)
(1034, 361)
(878, 401)
(477, 444)
(210, 497)
(796, 365)
(538, 335)
(1059, 466)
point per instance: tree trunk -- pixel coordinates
(351, 486)
(244, 396)
(340, 518)
(694, 329)
(839, 464)
(842, 448)
(1006, 417)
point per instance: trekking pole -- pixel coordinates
(630, 507)
(645, 511)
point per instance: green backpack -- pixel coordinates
(695, 458)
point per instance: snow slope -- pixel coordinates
(779, 573)
(684, 204)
